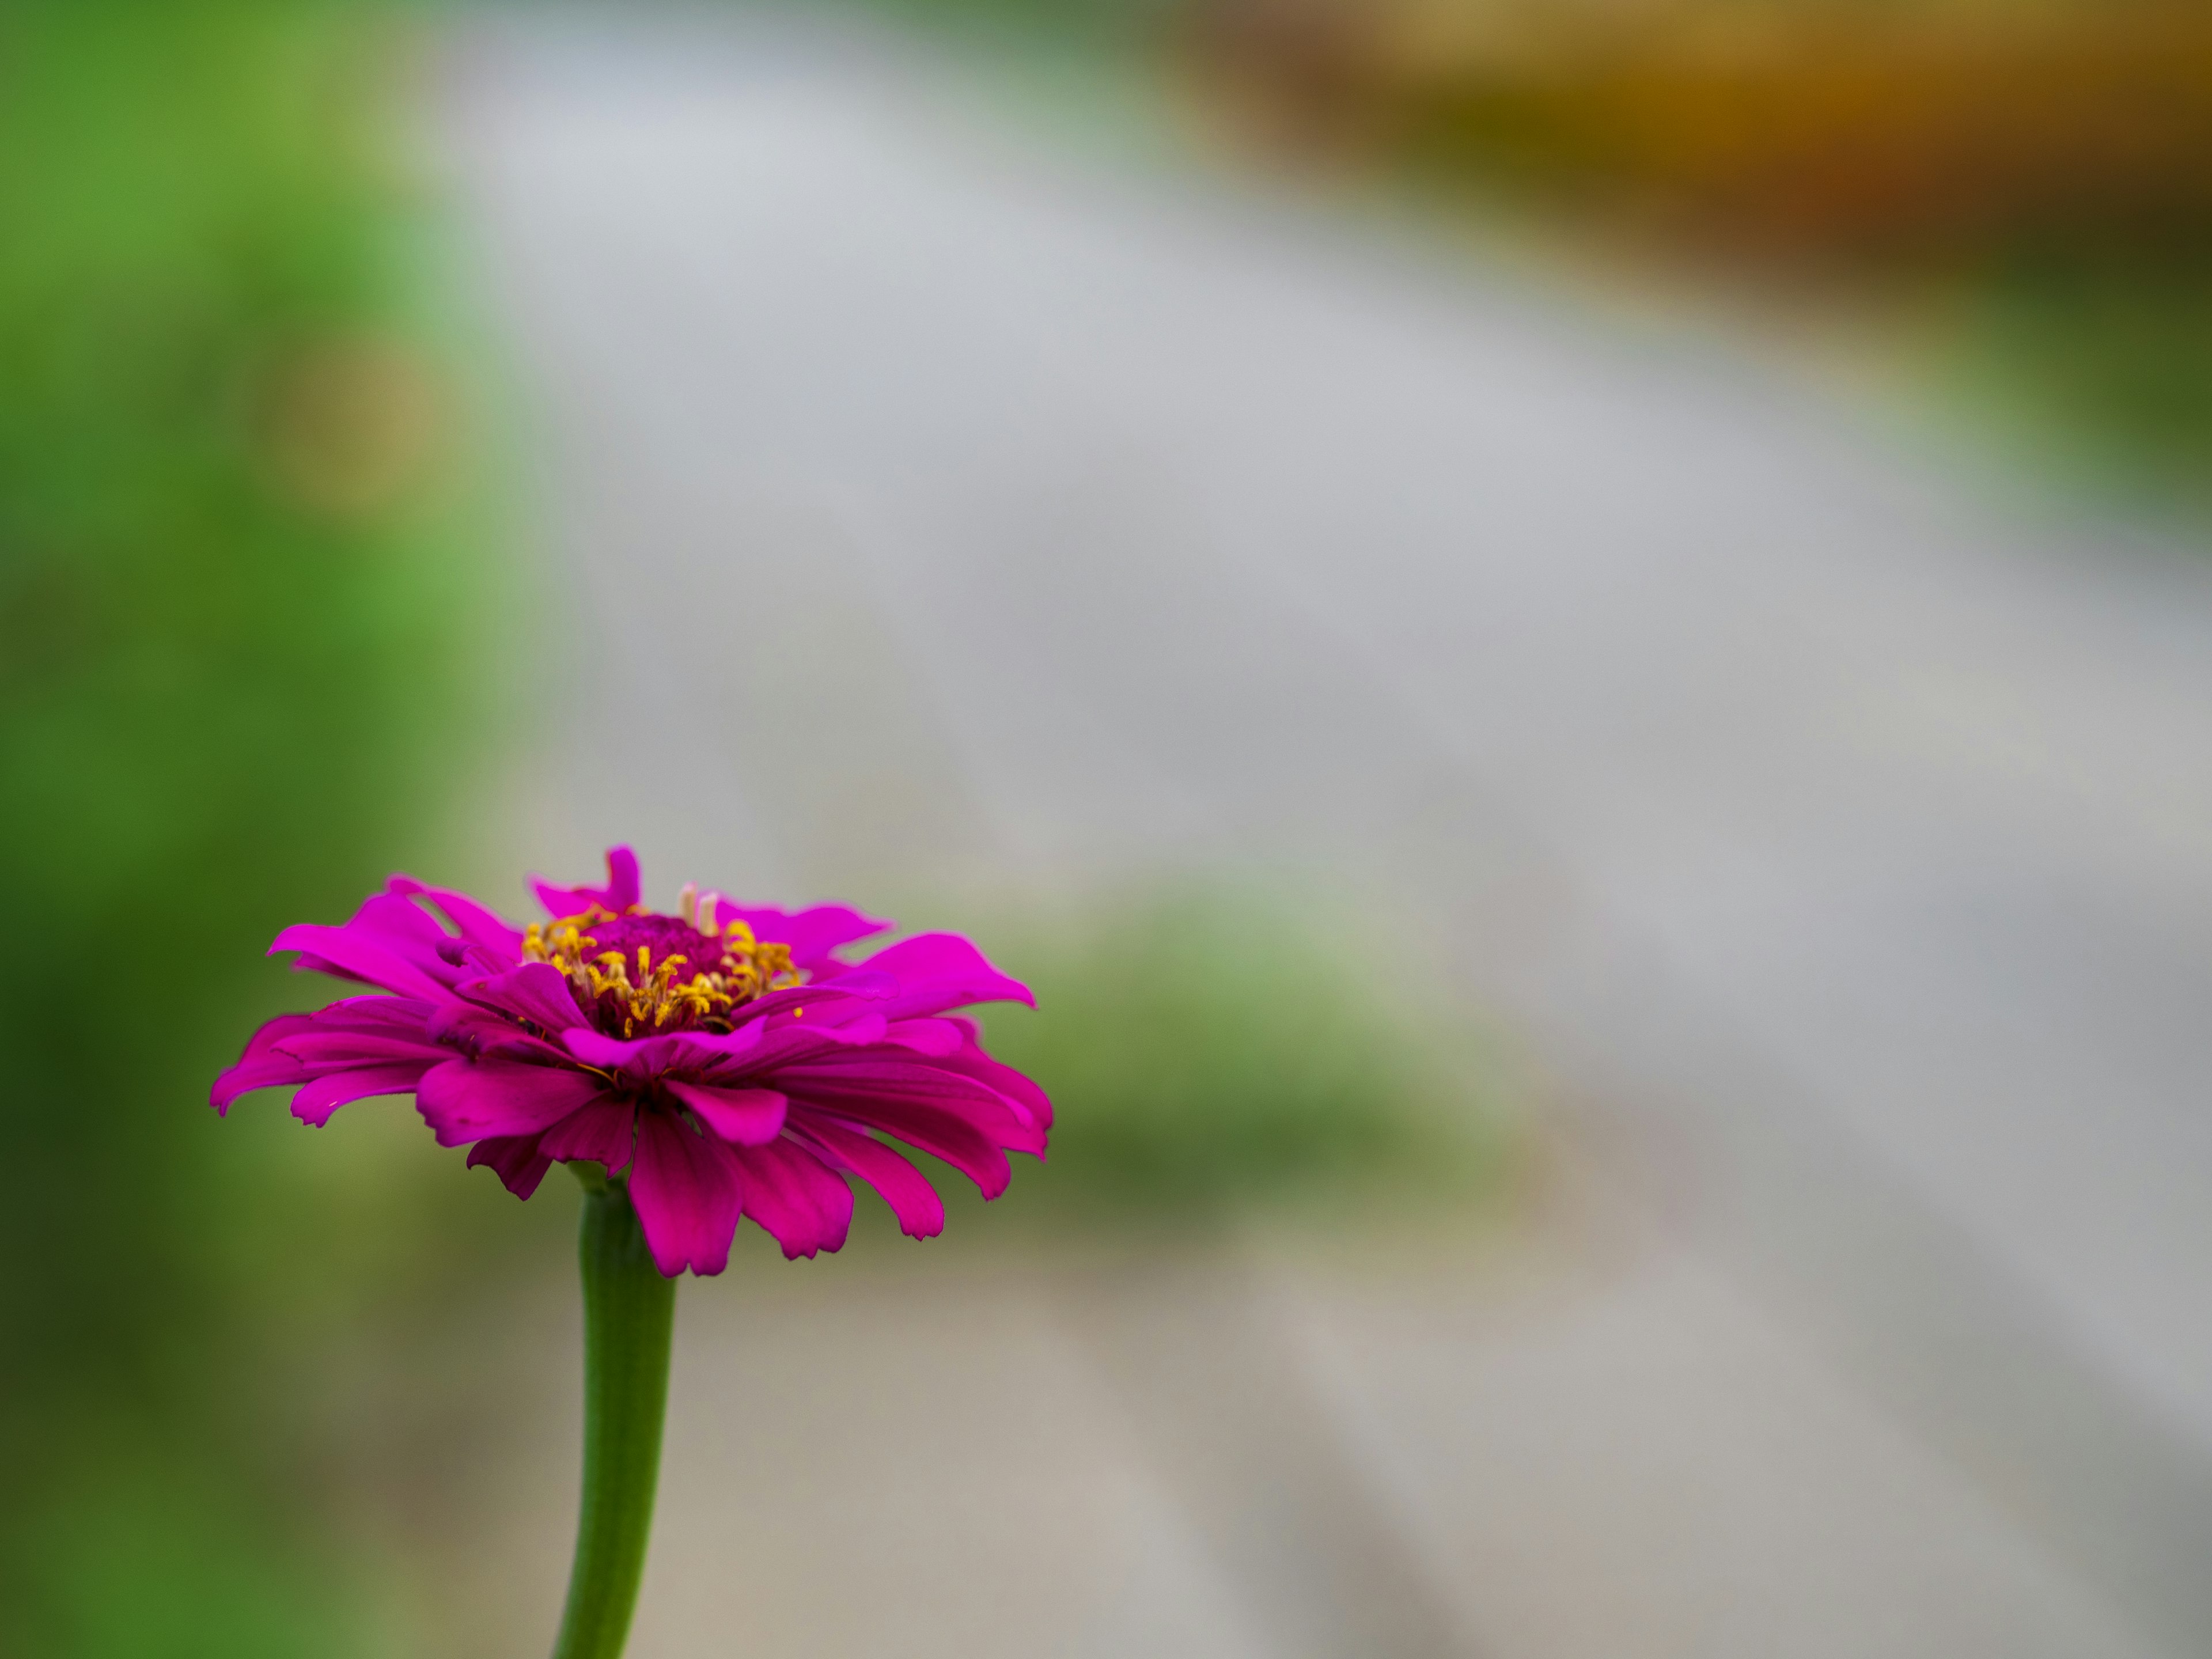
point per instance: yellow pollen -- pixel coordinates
(747, 969)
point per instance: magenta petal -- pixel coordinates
(812, 933)
(269, 1071)
(798, 1200)
(263, 1066)
(857, 1087)
(323, 1048)
(621, 892)
(516, 1158)
(854, 988)
(359, 956)
(938, 1132)
(536, 991)
(1022, 1092)
(920, 1211)
(623, 888)
(686, 1190)
(318, 1099)
(756, 1048)
(477, 924)
(939, 1039)
(483, 1035)
(396, 1017)
(395, 917)
(938, 971)
(603, 1133)
(465, 1100)
(636, 1059)
(747, 1117)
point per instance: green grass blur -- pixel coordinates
(1216, 1053)
(237, 590)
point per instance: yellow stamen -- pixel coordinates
(746, 969)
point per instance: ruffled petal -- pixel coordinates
(847, 997)
(515, 1159)
(920, 1211)
(482, 1034)
(925, 1128)
(938, 971)
(536, 991)
(621, 892)
(687, 1192)
(393, 916)
(812, 933)
(797, 1198)
(323, 1096)
(372, 959)
(1018, 1089)
(636, 1060)
(263, 1066)
(939, 1039)
(475, 924)
(393, 1016)
(323, 1049)
(859, 1086)
(753, 1050)
(604, 1132)
(465, 1100)
(745, 1117)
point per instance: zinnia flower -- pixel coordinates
(723, 1059)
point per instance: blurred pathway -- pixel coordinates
(935, 511)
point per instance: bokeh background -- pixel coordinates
(1572, 642)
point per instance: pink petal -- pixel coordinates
(394, 1017)
(938, 971)
(747, 1117)
(393, 916)
(634, 1059)
(465, 1100)
(799, 1200)
(939, 1134)
(940, 1039)
(263, 1066)
(686, 1189)
(323, 1048)
(758, 1047)
(853, 989)
(812, 933)
(483, 1034)
(603, 1133)
(1020, 1090)
(516, 1158)
(536, 991)
(364, 956)
(318, 1099)
(477, 924)
(620, 893)
(920, 1211)
(857, 1087)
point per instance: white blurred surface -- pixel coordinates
(937, 511)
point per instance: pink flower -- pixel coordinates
(725, 1060)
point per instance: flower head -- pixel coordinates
(724, 1060)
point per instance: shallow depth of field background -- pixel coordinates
(1573, 643)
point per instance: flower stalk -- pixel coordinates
(629, 1313)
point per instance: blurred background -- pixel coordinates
(1572, 642)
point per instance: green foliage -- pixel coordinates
(1206, 1053)
(229, 664)
(2109, 360)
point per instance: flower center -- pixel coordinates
(644, 971)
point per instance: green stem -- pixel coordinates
(629, 1311)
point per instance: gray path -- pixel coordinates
(937, 510)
